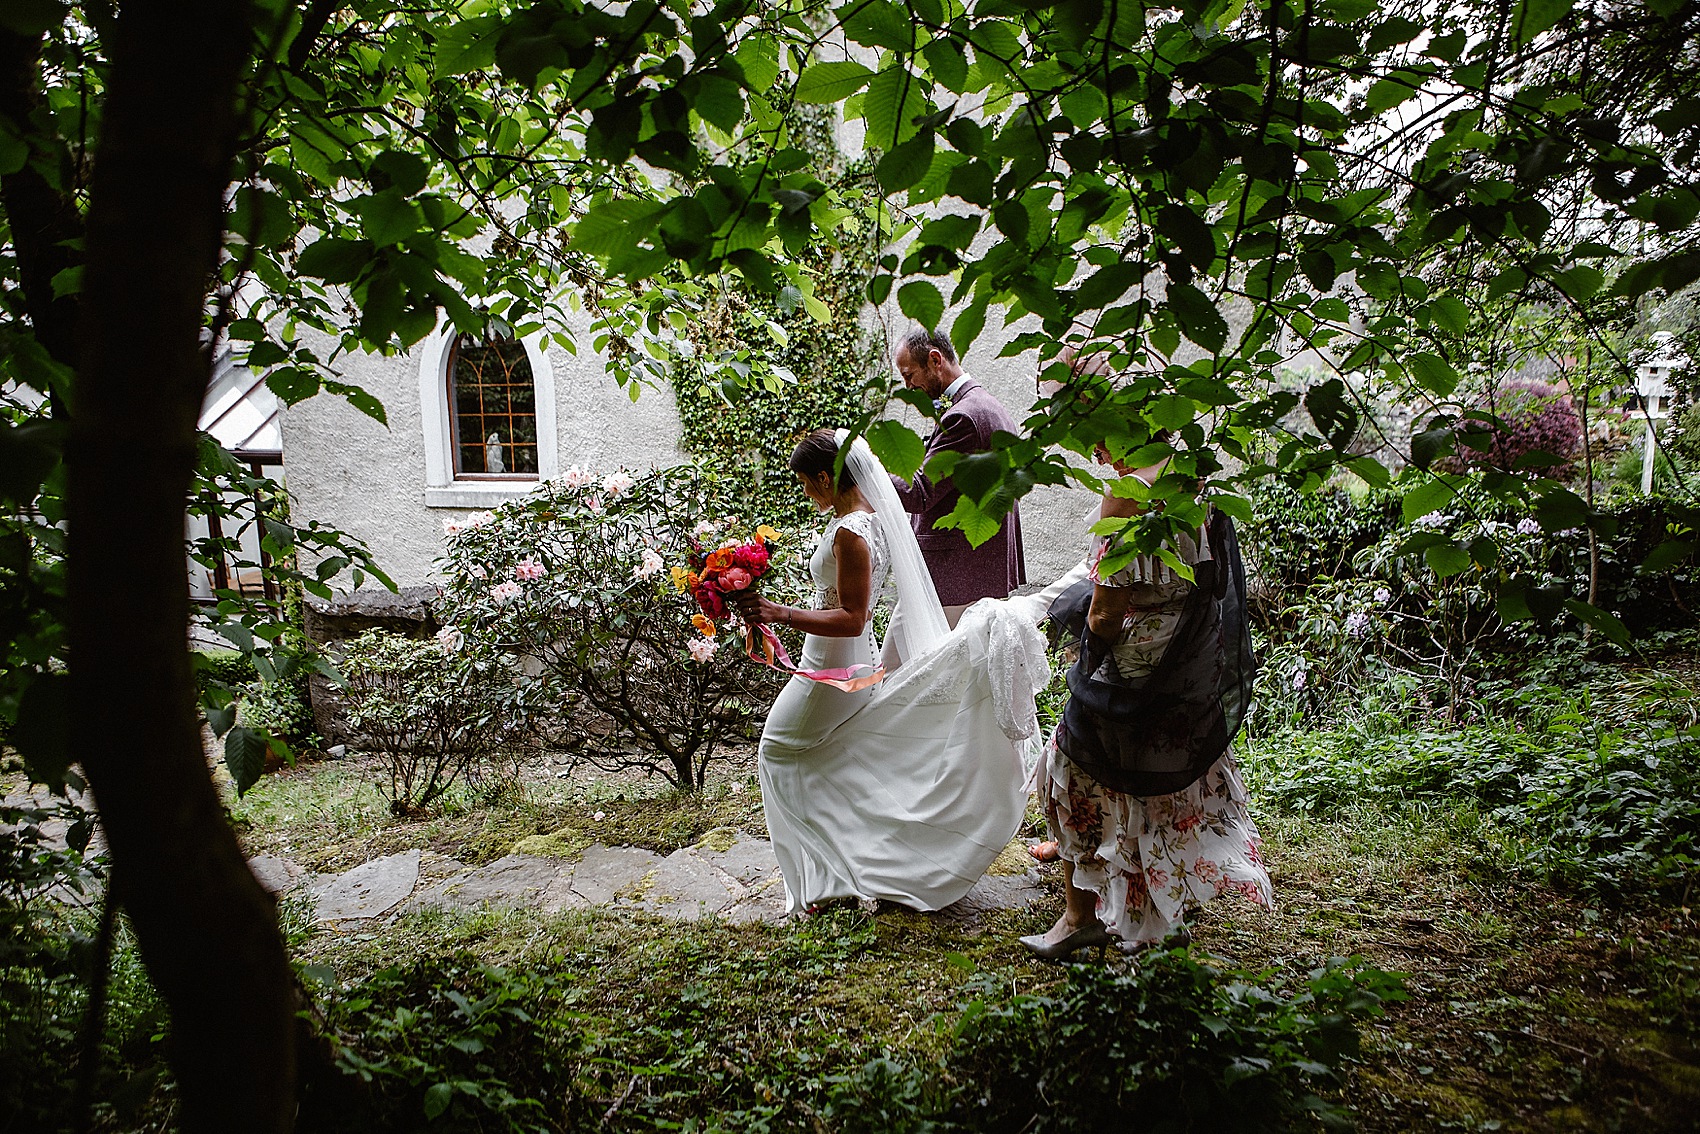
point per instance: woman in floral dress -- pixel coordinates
(1133, 865)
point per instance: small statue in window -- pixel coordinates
(493, 454)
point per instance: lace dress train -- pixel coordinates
(908, 790)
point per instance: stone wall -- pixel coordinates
(350, 472)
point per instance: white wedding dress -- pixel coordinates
(905, 791)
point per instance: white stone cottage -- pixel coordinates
(472, 425)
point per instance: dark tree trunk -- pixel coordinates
(43, 219)
(207, 930)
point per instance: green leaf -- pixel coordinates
(1450, 312)
(42, 732)
(1188, 232)
(467, 45)
(1667, 556)
(922, 302)
(1532, 17)
(1385, 94)
(1198, 317)
(1433, 373)
(245, 756)
(966, 328)
(894, 98)
(1447, 559)
(897, 446)
(832, 82)
(1559, 509)
(953, 231)
(389, 217)
(293, 384)
(907, 164)
(361, 400)
(877, 23)
(437, 1099)
(1430, 496)
(334, 260)
(1371, 471)
(1331, 408)
(1604, 621)
(719, 101)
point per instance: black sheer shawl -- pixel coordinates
(1159, 733)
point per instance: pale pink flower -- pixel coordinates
(615, 483)
(476, 571)
(703, 529)
(702, 649)
(599, 816)
(451, 528)
(651, 563)
(505, 592)
(450, 639)
(479, 519)
(528, 570)
(575, 477)
(593, 504)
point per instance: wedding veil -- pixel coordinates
(923, 622)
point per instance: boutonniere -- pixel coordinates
(943, 404)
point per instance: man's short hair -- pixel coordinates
(919, 341)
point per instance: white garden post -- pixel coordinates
(1652, 383)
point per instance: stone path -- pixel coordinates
(726, 874)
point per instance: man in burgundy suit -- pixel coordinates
(970, 415)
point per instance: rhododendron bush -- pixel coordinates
(569, 585)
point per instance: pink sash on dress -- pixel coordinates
(773, 653)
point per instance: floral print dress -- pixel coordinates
(1150, 858)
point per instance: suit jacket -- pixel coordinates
(964, 574)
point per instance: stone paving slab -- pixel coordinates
(726, 874)
(513, 880)
(370, 889)
(603, 872)
(996, 892)
(749, 860)
(765, 903)
(279, 875)
(685, 887)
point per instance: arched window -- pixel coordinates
(492, 397)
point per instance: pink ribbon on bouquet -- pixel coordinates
(773, 653)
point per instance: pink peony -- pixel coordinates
(528, 570)
(752, 557)
(735, 579)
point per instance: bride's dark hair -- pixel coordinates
(817, 453)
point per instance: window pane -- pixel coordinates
(495, 404)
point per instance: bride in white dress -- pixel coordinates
(907, 790)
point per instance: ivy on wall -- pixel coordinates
(811, 360)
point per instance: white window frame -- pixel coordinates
(442, 490)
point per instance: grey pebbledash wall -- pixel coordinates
(348, 471)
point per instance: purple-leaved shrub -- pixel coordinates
(1532, 417)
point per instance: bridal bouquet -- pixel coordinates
(710, 576)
